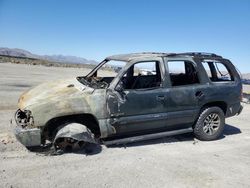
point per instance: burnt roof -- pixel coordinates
(128, 57)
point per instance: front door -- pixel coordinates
(140, 103)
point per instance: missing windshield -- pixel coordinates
(103, 74)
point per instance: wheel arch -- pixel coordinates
(205, 111)
(89, 120)
(221, 104)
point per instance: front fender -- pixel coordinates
(76, 131)
(47, 110)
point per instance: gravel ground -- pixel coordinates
(246, 88)
(179, 161)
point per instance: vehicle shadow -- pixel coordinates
(49, 150)
(90, 149)
(229, 130)
(93, 149)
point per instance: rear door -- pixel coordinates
(183, 96)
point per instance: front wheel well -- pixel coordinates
(88, 120)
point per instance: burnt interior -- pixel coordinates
(216, 74)
(188, 76)
(150, 79)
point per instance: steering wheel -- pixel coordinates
(136, 80)
(97, 79)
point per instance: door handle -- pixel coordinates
(160, 98)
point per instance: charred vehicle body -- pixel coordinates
(145, 96)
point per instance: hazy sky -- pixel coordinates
(94, 29)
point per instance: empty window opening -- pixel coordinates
(217, 71)
(182, 73)
(142, 75)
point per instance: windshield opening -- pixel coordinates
(103, 74)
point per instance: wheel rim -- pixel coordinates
(211, 124)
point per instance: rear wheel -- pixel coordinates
(210, 124)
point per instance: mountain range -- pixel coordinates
(15, 52)
(54, 58)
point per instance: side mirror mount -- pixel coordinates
(120, 91)
(119, 87)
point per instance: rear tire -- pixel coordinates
(210, 124)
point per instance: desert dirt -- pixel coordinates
(179, 161)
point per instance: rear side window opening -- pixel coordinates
(217, 71)
(182, 73)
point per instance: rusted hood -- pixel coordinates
(55, 90)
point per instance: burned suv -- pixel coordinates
(132, 97)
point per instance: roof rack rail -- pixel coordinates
(200, 54)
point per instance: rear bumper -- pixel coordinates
(28, 137)
(240, 110)
(234, 109)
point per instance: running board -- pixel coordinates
(147, 137)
